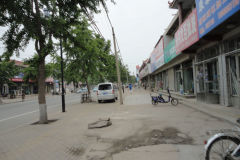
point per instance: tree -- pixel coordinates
(7, 71)
(31, 71)
(86, 54)
(26, 21)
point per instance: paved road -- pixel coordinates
(15, 115)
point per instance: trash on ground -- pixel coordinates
(100, 123)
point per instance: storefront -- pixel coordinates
(217, 61)
(207, 75)
(232, 54)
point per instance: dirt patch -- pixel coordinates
(76, 151)
(155, 137)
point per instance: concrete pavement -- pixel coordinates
(139, 131)
(229, 114)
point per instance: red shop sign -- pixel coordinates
(187, 34)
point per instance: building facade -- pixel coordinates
(199, 53)
(17, 85)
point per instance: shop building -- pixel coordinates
(18, 85)
(216, 53)
(144, 74)
(174, 67)
(199, 54)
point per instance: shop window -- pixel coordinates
(233, 75)
(200, 57)
(225, 46)
(231, 45)
(238, 43)
(200, 78)
(208, 53)
(211, 77)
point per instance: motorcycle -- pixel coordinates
(160, 99)
(224, 145)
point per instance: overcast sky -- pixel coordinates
(138, 26)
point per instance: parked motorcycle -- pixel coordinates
(225, 145)
(160, 99)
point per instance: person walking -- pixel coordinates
(23, 95)
(130, 88)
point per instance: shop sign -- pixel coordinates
(17, 79)
(170, 51)
(157, 56)
(211, 13)
(187, 33)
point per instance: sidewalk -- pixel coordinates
(229, 114)
(139, 131)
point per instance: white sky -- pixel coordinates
(138, 25)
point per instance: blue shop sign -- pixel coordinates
(211, 13)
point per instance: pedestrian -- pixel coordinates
(23, 95)
(130, 88)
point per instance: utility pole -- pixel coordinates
(117, 66)
(63, 91)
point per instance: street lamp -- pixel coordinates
(63, 91)
(47, 15)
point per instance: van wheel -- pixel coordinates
(113, 100)
(99, 101)
(116, 98)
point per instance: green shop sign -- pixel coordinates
(170, 51)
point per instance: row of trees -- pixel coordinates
(87, 53)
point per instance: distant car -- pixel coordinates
(82, 90)
(107, 91)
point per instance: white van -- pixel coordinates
(107, 91)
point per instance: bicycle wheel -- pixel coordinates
(174, 101)
(221, 148)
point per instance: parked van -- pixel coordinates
(107, 91)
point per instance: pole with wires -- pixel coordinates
(117, 66)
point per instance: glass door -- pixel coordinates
(200, 72)
(212, 74)
(233, 75)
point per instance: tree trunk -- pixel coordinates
(41, 93)
(88, 87)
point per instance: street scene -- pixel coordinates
(120, 80)
(139, 130)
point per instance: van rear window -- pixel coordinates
(105, 87)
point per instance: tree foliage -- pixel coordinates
(31, 71)
(26, 20)
(7, 71)
(87, 54)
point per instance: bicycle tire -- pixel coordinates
(229, 138)
(174, 101)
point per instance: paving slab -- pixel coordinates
(159, 152)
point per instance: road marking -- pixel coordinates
(27, 113)
(16, 116)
